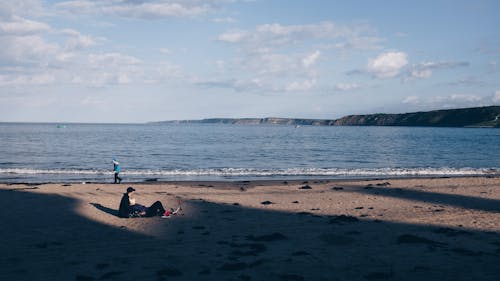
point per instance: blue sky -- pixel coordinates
(138, 61)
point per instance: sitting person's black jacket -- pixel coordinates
(125, 210)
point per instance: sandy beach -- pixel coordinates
(391, 229)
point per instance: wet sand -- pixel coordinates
(391, 229)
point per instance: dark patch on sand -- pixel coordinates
(421, 268)
(276, 236)
(256, 263)
(343, 219)
(101, 266)
(337, 188)
(413, 239)
(450, 232)
(378, 276)
(244, 277)
(168, 271)
(248, 249)
(111, 274)
(295, 202)
(337, 240)
(266, 203)
(305, 187)
(233, 266)
(45, 245)
(290, 277)
(466, 252)
(84, 278)
(300, 253)
(206, 271)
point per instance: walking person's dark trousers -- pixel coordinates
(117, 178)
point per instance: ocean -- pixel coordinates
(35, 153)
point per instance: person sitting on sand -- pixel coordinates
(129, 208)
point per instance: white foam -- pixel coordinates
(247, 172)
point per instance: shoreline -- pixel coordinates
(154, 181)
(445, 228)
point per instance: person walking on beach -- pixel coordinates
(116, 171)
(129, 208)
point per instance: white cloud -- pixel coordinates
(21, 26)
(165, 51)
(496, 97)
(275, 35)
(21, 7)
(425, 69)
(420, 73)
(238, 85)
(36, 79)
(76, 40)
(224, 20)
(26, 50)
(270, 51)
(387, 65)
(234, 36)
(139, 9)
(411, 100)
(310, 59)
(112, 59)
(357, 43)
(301, 86)
(347, 86)
(449, 101)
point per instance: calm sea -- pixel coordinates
(84, 152)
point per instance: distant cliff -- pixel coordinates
(464, 117)
(255, 121)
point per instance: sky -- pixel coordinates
(132, 61)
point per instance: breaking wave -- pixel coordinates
(268, 173)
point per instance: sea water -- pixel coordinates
(84, 152)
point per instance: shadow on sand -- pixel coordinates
(48, 240)
(467, 202)
(107, 210)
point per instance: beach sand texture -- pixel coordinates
(396, 229)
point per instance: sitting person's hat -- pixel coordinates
(130, 189)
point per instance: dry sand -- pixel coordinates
(411, 229)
